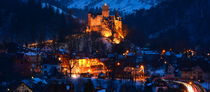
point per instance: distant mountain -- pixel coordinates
(172, 24)
(124, 6)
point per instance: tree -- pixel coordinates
(71, 65)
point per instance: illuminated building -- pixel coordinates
(77, 66)
(136, 72)
(106, 25)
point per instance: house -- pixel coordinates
(49, 69)
(149, 55)
(41, 85)
(32, 57)
(59, 85)
(194, 73)
(23, 88)
(32, 85)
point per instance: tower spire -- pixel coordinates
(105, 10)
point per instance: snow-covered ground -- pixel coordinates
(125, 6)
(55, 8)
(205, 85)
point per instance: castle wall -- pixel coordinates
(106, 25)
(95, 22)
(118, 24)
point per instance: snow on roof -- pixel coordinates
(62, 50)
(178, 55)
(31, 54)
(150, 52)
(28, 83)
(159, 71)
(168, 53)
(37, 80)
(102, 90)
(206, 85)
(68, 87)
(130, 54)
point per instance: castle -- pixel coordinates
(106, 25)
(110, 29)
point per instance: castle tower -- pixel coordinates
(89, 19)
(105, 10)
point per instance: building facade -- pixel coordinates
(196, 73)
(106, 25)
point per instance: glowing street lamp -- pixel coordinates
(163, 51)
(142, 67)
(59, 58)
(74, 76)
(118, 63)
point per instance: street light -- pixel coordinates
(163, 52)
(118, 63)
(59, 58)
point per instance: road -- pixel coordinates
(192, 87)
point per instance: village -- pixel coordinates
(101, 59)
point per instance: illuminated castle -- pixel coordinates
(108, 26)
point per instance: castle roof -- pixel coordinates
(105, 6)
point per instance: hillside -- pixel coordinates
(125, 7)
(172, 24)
(29, 22)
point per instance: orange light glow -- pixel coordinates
(59, 59)
(93, 66)
(126, 52)
(142, 67)
(116, 40)
(75, 76)
(163, 51)
(106, 33)
(118, 63)
(44, 42)
(111, 27)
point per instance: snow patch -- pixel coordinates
(125, 6)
